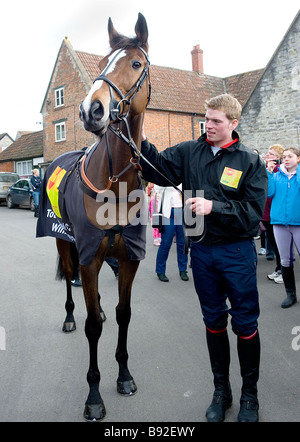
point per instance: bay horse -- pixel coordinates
(103, 200)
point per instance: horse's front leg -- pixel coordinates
(125, 382)
(94, 407)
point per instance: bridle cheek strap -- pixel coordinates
(114, 106)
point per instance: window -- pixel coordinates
(202, 127)
(59, 97)
(20, 184)
(24, 167)
(60, 131)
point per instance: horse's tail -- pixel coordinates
(73, 264)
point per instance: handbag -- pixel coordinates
(157, 217)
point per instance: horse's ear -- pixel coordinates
(141, 30)
(112, 33)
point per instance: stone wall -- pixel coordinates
(272, 113)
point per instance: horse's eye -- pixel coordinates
(136, 64)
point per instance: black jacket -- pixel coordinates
(235, 179)
(36, 183)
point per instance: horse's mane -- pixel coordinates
(121, 41)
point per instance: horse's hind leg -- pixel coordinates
(67, 266)
(69, 324)
(125, 383)
(102, 314)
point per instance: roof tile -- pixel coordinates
(183, 91)
(27, 146)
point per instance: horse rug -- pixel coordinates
(62, 213)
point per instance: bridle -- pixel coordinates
(114, 108)
(117, 116)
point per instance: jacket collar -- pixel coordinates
(235, 139)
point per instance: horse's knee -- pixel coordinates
(123, 314)
(93, 327)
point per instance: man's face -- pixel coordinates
(218, 128)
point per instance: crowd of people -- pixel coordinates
(279, 228)
(281, 219)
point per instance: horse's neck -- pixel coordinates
(99, 167)
(98, 172)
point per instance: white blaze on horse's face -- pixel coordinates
(95, 114)
(86, 104)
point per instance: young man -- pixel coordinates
(233, 180)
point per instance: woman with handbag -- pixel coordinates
(170, 205)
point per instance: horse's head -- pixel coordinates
(123, 85)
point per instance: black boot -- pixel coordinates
(288, 277)
(219, 353)
(36, 211)
(249, 357)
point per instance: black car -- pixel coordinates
(20, 194)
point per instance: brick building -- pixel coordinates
(24, 154)
(175, 112)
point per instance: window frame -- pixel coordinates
(60, 135)
(59, 97)
(23, 168)
(201, 127)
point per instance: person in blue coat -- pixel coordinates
(284, 188)
(36, 184)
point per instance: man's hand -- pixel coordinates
(271, 166)
(200, 206)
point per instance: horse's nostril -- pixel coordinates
(96, 110)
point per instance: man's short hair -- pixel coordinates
(226, 103)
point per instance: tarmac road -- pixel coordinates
(43, 370)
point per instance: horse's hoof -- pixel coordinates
(69, 327)
(126, 388)
(94, 412)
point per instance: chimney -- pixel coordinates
(197, 59)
